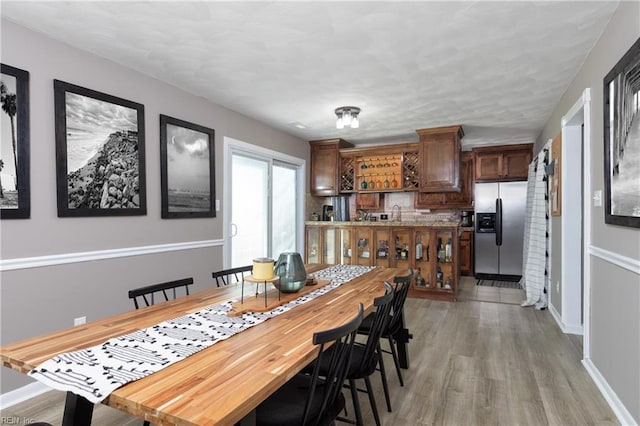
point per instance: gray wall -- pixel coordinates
(43, 299)
(615, 291)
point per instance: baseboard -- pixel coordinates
(567, 329)
(24, 393)
(621, 412)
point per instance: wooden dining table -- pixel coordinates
(222, 384)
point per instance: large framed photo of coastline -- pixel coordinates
(99, 153)
(622, 140)
(187, 173)
(14, 144)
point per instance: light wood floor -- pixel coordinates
(472, 363)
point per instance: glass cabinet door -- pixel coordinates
(364, 246)
(346, 246)
(423, 258)
(444, 273)
(312, 244)
(401, 247)
(382, 248)
(329, 254)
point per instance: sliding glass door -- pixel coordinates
(265, 198)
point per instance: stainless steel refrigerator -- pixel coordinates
(500, 209)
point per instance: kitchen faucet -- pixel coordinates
(393, 209)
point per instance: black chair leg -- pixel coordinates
(396, 360)
(146, 423)
(372, 400)
(356, 403)
(383, 376)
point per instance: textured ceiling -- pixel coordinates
(497, 68)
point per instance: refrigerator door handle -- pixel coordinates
(498, 221)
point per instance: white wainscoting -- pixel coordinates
(22, 394)
(624, 417)
(61, 259)
(624, 262)
(632, 265)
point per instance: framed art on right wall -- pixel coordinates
(622, 140)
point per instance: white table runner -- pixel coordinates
(97, 371)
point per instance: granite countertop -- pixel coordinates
(441, 224)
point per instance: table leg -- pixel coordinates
(248, 420)
(77, 411)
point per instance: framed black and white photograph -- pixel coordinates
(15, 202)
(622, 140)
(187, 169)
(99, 153)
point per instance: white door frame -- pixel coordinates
(575, 259)
(230, 146)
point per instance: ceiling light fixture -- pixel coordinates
(347, 116)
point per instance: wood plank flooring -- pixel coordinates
(472, 363)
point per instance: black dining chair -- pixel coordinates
(314, 399)
(147, 294)
(365, 357)
(393, 326)
(232, 275)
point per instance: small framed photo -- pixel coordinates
(99, 153)
(622, 140)
(15, 200)
(187, 169)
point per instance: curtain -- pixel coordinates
(535, 260)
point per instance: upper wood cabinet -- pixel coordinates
(368, 201)
(325, 166)
(440, 159)
(451, 200)
(502, 163)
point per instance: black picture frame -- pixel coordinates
(101, 139)
(187, 169)
(15, 203)
(622, 176)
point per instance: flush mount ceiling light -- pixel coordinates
(347, 116)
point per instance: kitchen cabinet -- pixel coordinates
(411, 170)
(401, 247)
(346, 243)
(347, 173)
(325, 156)
(321, 244)
(466, 253)
(451, 200)
(434, 250)
(503, 163)
(386, 168)
(436, 258)
(368, 201)
(439, 152)
(382, 248)
(364, 246)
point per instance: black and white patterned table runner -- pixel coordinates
(97, 371)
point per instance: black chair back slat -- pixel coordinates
(226, 276)
(400, 296)
(150, 290)
(379, 324)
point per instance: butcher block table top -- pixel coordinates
(219, 385)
